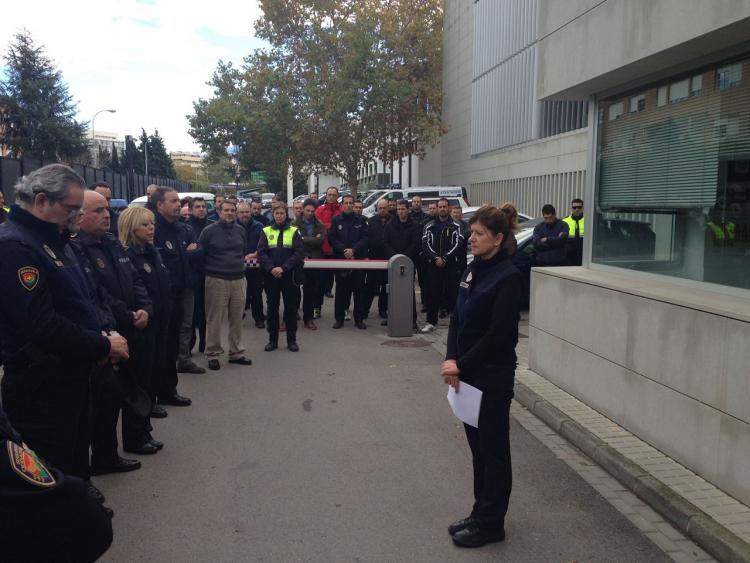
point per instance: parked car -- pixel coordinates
(456, 195)
(118, 204)
(209, 197)
(469, 213)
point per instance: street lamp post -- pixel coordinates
(93, 119)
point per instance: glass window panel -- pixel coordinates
(679, 90)
(637, 103)
(661, 96)
(696, 85)
(615, 111)
(673, 188)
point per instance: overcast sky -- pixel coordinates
(148, 59)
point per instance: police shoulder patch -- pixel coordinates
(28, 466)
(29, 277)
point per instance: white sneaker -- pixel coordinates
(428, 328)
(347, 315)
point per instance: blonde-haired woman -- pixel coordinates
(136, 231)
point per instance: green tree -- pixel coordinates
(115, 162)
(159, 161)
(343, 83)
(103, 158)
(38, 117)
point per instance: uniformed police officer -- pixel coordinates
(281, 255)
(68, 523)
(574, 242)
(132, 309)
(50, 328)
(170, 240)
(348, 238)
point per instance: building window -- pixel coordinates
(615, 111)
(637, 103)
(673, 187)
(679, 90)
(696, 85)
(661, 96)
(728, 76)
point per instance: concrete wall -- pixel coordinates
(551, 156)
(668, 363)
(589, 46)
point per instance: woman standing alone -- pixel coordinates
(481, 351)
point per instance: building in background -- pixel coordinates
(191, 159)
(505, 143)
(653, 330)
(104, 141)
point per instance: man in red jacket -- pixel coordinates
(325, 213)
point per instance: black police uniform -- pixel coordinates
(376, 280)
(51, 334)
(115, 273)
(349, 231)
(44, 514)
(442, 239)
(403, 238)
(482, 340)
(170, 239)
(155, 278)
(275, 250)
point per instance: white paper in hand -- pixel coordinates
(466, 403)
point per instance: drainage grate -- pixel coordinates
(407, 343)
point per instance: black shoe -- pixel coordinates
(214, 364)
(360, 325)
(460, 525)
(338, 324)
(121, 465)
(292, 347)
(260, 324)
(384, 323)
(474, 536)
(96, 493)
(190, 368)
(146, 448)
(175, 400)
(271, 346)
(156, 443)
(242, 360)
(157, 411)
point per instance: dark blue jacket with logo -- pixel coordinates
(483, 331)
(171, 240)
(48, 321)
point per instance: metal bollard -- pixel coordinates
(400, 296)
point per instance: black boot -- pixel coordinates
(291, 342)
(273, 343)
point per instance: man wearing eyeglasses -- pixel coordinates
(50, 326)
(574, 242)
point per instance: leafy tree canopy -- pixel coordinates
(37, 113)
(344, 82)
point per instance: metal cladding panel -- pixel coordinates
(503, 104)
(502, 28)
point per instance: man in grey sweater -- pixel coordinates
(223, 246)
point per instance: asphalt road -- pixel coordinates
(345, 451)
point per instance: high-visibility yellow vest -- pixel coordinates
(272, 235)
(718, 231)
(571, 223)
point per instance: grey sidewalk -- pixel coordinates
(714, 520)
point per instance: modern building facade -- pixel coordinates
(654, 329)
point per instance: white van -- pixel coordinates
(456, 195)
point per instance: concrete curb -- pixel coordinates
(717, 540)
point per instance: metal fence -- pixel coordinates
(126, 186)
